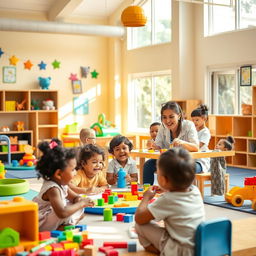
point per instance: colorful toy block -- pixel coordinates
(45, 253)
(64, 253)
(9, 238)
(82, 227)
(69, 227)
(104, 249)
(89, 250)
(120, 216)
(77, 238)
(111, 200)
(71, 246)
(44, 235)
(112, 253)
(116, 244)
(56, 233)
(128, 218)
(86, 242)
(13, 250)
(85, 234)
(24, 254)
(42, 245)
(108, 214)
(132, 246)
(100, 202)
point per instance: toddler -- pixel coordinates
(120, 148)
(87, 136)
(90, 179)
(153, 130)
(180, 207)
(58, 205)
(199, 117)
(218, 167)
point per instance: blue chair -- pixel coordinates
(213, 238)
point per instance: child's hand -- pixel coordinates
(95, 190)
(177, 142)
(150, 144)
(87, 202)
(149, 193)
(128, 178)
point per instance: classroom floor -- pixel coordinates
(118, 231)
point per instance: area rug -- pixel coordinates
(29, 174)
(29, 195)
(237, 176)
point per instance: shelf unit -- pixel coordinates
(38, 124)
(243, 129)
(188, 106)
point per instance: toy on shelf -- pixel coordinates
(104, 127)
(28, 159)
(21, 106)
(44, 82)
(5, 129)
(35, 104)
(48, 105)
(18, 126)
(10, 105)
(237, 195)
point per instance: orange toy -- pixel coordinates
(237, 195)
(28, 159)
(19, 126)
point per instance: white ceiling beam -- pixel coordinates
(62, 9)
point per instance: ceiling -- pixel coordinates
(61, 9)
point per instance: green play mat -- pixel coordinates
(9, 187)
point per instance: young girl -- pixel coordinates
(153, 130)
(218, 166)
(174, 131)
(199, 117)
(90, 179)
(180, 207)
(120, 148)
(58, 205)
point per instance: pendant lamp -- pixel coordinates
(133, 16)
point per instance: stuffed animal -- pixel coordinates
(35, 104)
(5, 129)
(19, 126)
(44, 82)
(21, 106)
(48, 105)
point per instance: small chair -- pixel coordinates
(202, 177)
(213, 238)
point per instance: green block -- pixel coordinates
(69, 227)
(68, 234)
(77, 239)
(100, 201)
(111, 199)
(9, 238)
(108, 214)
(61, 238)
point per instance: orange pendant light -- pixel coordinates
(133, 16)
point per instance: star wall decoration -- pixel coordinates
(42, 65)
(1, 52)
(13, 60)
(28, 65)
(56, 64)
(73, 77)
(94, 74)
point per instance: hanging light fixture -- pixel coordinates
(133, 16)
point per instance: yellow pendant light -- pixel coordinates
(133, 16)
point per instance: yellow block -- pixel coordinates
(10, 105)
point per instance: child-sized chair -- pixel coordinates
(213, 238)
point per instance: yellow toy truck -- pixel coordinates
(237, 195)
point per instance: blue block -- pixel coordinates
(132, 246)
(56, 233)
(81, 227)
(128, 218)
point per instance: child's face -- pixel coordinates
(69, 172)
(220, 145)
(153, 131)
(93, 165)
(170, 119)
(199, 122)
(121, 152)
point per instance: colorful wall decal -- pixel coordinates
(1, 52)
(56, 64)
(85, 71)
(42, 65)
(28, 65)
(94, 74)
(13, 60)
(9, 74)
(77, 86)
(73, 77)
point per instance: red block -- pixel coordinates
(134, 189)
(86, 242)
(120, 195)
(105, 196)
(116, 244)
(56, 246)
(112, 253)
(108, 191)
(105, 249)
(120, 216)
(64, 253)
(44, 235)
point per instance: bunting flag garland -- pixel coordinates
(28, 65)
(42, 65)
(13, 60)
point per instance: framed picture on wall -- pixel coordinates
(9, 74)
(246, 76)
(77, 87)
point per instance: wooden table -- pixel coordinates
(143, 154)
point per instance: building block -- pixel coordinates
(71, 246)
(69, 235)
(112, 253)
(70, 227)
(116, 244)
(56, 233)
(89, 250)
(57, 247)
(86, 242)
(44, 253)
(85, 234)
(134, 188)
(111, 199)
(9, 238)
(120, 216)
(128, 218)
(104, 249)
(13, 250)
(43, 244)
(108, 191)
(82, 227)
(108, 214)
(44, 235)
(77, 238)
(132, 246)
(61, 238)
(23, 254)
(100, 202)
(105, 197)
(64, 253)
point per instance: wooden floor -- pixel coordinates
(140, 253)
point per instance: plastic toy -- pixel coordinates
(9, 238)
(21, 106)
(35, 104)
(10, 105)
(104, 127)
(116, 244)
(5, 129)
(48, 105)
(108, 214)
(121, 181)
(132, 246)
(237, 195)
(10, 187)
(44, 82)
(2, 171)
(28, 159)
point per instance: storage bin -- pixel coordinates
(4, 148)
(14, 148)
(10, 105)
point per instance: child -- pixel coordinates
(218, 166)
(199, 117)
(90, 179)
(153, 130)
(174, 131)
(120, 148)
(58, 205)
(87, 136)
(180, 207)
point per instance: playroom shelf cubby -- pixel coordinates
(39, 124)
(243, 129)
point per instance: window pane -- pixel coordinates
(162, 21)
(226, 93)
(163, 93)
(143, 98)
(248, 13)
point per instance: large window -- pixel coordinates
(146, 94)
(218, 19)
(226, 94)
(158, 27)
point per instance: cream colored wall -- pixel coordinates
(72, 51)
